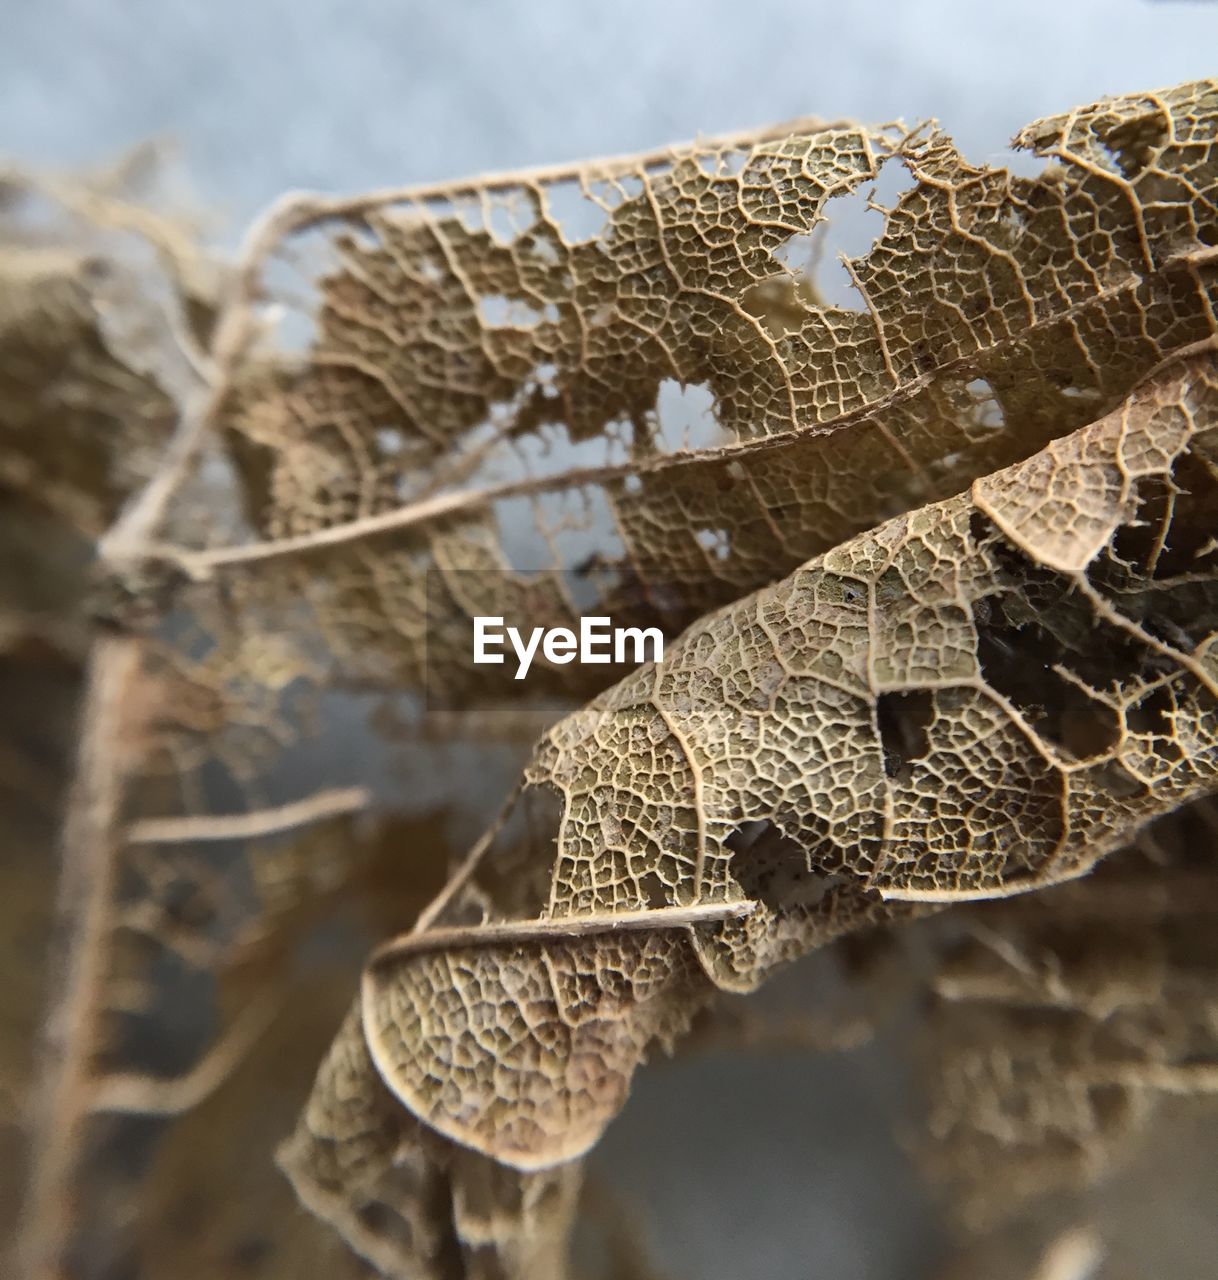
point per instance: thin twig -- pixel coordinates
(86, 881)
(556, 928)
(245, 826)
(135, 1093)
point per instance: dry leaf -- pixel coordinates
(608, 389)
(883, 713)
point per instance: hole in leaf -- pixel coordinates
(1175, 521)
(987, 412)
(772, 869)
(654, 891)
(1023, 662)
(1154, 717)
(685, 417)
(389, 441)
(715, 542)
(855, 223)
(903, 722)
(500, 312)
(577, 216)
(1132, 143)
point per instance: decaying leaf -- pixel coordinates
(83, 422)
(407, 1201)
(883, 710)
(942, 562)
(80, 429)
(615, 378)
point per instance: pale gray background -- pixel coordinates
(341, 94)
(762, 1167)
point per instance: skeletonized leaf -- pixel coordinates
(619, 375)
(873, 731)
(662, 414)
(412, 1204)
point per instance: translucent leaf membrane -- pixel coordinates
(652, 408)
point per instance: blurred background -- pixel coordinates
(341, 95)
(774, 1164)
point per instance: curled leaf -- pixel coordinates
(869, 733)
(525, 1052)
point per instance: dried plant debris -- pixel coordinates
(80, 429)
(84, 420)
(883, 712)
(583, 380)
(93, 371)
(92, 358)
(940, 557)
(1063, 1023)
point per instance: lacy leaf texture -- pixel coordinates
(937, 546)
